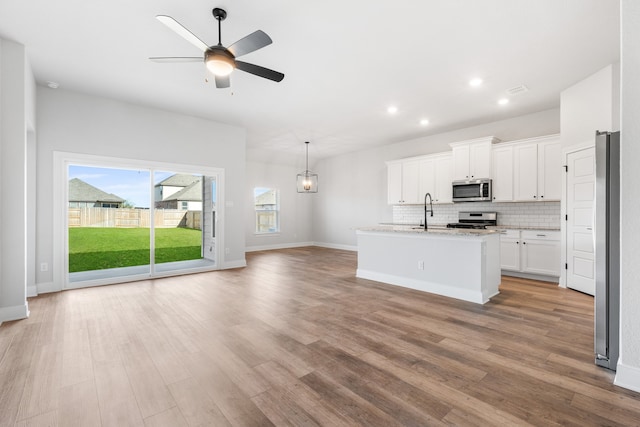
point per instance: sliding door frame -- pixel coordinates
(61, 163)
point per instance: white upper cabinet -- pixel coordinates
(472, 159)
(403, 182)
(526, 172)
(394, 183)
(435, 178)
(522, 171)
(502, 173)
(549, 170)
(538, 169)
(444, 177)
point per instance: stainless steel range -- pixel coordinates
(477, 220)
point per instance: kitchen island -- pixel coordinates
(457, 263)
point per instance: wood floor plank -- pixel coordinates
(117, 402)
(169, 418)
(296, 339)
(147, 384)
(79, 407)
(195, 404)
(12, 381)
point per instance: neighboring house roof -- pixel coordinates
(266, 198)
(191, 193)
(179, 180)
(80, 191)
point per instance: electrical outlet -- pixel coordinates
(44, 266)
(420, 265)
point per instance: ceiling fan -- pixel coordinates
(220, 60)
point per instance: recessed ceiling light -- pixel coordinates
(503, 101)
(53, 85)
(392, 109)
(475, 82)
(424, 122)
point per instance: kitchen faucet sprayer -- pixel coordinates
(425, 208)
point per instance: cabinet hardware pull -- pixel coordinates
(542, 197)
(524, 243)
(535, 197)
(589, 228)
(541, 235)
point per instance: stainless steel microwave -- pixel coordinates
(474, 190)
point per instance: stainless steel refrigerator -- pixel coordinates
(607, 249)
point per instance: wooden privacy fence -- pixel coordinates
(132, 218)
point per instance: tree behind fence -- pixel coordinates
(132, 218)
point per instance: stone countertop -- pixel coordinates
(513, 227)
(433, 229)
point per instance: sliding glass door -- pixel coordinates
(129, 223)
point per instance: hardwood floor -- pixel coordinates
(296, 339)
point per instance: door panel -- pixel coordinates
(580, 204)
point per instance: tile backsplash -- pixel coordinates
(522, 214)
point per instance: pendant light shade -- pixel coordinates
(307, 181)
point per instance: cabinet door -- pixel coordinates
(540, 256)
(509, 254)
(549, 171)
(410, 182)
(526, 172)
(480, 160)
(461, 163)
(427, 178)
(444, 189)
(502, 174)
(394, 183)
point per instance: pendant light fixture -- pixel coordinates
(307, 181)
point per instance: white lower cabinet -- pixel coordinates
(530, 251)
(510, 250)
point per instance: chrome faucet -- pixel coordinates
(425, 209)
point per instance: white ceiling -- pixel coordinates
(344, 62)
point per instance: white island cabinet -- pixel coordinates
(457, 263)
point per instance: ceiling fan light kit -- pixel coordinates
(219, 62)
(218, 59)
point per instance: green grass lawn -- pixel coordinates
(100, 248)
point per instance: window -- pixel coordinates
(267, 206)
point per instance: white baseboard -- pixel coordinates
(552, 279)
(334, 246)
(278, 246)
(32, 291)
(47, 287)
(14, 312)
(627, 376)
(424, 286)
(234, 264)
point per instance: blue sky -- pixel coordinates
(131, 185)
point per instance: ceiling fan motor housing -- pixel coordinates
(219, 14)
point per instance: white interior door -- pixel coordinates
(580, 234)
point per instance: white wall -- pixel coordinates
(628, 374)
(296, 216)
(589, 105)
(16, 120)
(78, 123)
(353, 187)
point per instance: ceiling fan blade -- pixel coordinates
(179, 29)
(164, 59)
(254, 41)
(259, 71)
(223, 81)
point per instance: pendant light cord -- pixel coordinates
(307, 144)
